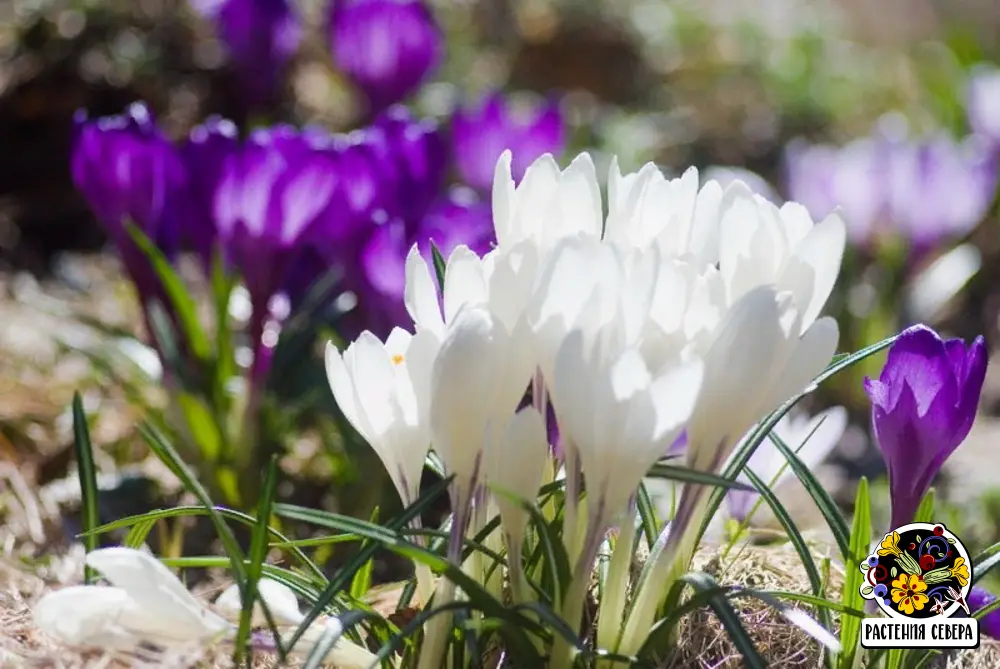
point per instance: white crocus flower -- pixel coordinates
(646, 207)
(285, 612)
(479, 376)
(384, 392)
(762, 244)
(501, 279)
(548, 204)
(620, 416)
(145, 604)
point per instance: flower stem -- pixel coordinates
(612, 607)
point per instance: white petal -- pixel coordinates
(85, 615)
(343, 390)
(280, 601)
(823, 249)
(579, 202)
(815, 442)
(515, 461)
(532, 199)
(421, 293)
(344, 655)
(813, 352)
(503, 199)
(463, 281)
(179, 617)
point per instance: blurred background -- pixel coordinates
(889, 109)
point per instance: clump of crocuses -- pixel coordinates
(923, 406)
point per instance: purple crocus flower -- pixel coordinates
(127, 169)
(271, 194)
(980, 598)
(261, 35)
(983, 104)
(938, 188)
(417, 153)
(481, 133)
(204, 153)
(386, 47)
(923, 406)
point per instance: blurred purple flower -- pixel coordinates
(980, 598)
(923, 406)
(204, 153)
(983, 104)
(925, 189)
(386, 47)
(271, 194)
(261, 35)
(481, 133)
(938, 188)
(127, 169)
(418, 153)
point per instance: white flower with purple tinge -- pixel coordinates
(983, 103)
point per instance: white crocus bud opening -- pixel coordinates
(515, 457)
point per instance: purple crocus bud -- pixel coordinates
(923, 406)
(387, 47)
(272, 192)
(262, 36)
(481, 133)
(419, 153)
(204, 153)
(980, 598)
(983, 104)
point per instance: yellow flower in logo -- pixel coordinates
(908, 593)
(960, 570)
(890, 545)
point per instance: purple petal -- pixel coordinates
(980, 598)
(204, 154)
(481, 133)
(262, 36)
(419, 153)
(923, 406)
(387, 47)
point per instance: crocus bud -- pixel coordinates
(204, 154)
(387, 47)
(261, 35)
(923, 406)
(980, 598)
(481, 133)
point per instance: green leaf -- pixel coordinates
(831, 512)
(362, 581)
(244, 519)
(87, 473)
(181, 301)
(202, 426)
(867, 590)
(893, 572)
(555, 560)
(797, 540)
(686, 475)
(136, 536)
(255, 561)
(647, 515)
(168, 455)
(985, 566)
(440, 265)
(850, 596)
(338, 582)
(925, 512)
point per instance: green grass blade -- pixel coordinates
(167, 454)
(440, 265)
(87, 473)
(692, 476)
(925, 512)
(362, 580)
(861, 536)
(831, 512)
(255, 561)
(181, 301)
(647, 516)
(730, 620)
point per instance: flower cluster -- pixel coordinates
(927, 190)
(687, 308)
